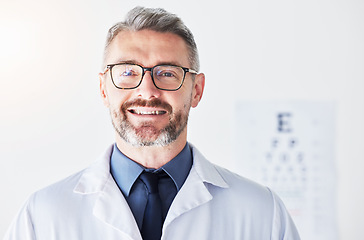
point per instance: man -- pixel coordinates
(152, 184)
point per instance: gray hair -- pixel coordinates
(159, 20)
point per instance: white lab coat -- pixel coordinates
(213, 204)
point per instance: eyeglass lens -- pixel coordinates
(164, 76)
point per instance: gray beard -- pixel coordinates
(147, 134)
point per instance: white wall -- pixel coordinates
(53, 122)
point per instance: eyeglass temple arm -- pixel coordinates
(192, 71)
(107, 68)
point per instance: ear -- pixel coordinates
(199, 85)
(103, 91)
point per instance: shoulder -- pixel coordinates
(41, 207)
(238, 190)
(245, 199)
(55, 194)
(72, 188)
(211, 172)
(245, 189)
(90, 179)
(62, 186)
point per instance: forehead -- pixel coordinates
(148, 48)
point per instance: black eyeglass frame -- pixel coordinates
(144, 70)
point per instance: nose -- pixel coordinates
(147, 89)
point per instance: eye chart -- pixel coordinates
(289, 147)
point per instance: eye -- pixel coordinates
(128, 73)
(166, 74)
(127, 70)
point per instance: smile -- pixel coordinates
(143, 112)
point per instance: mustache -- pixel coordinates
(155, 102)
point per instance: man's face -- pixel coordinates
(147, 116)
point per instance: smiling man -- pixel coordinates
(152, 184)
(149, 91)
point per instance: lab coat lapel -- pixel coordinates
(110, 205)
(194, 191)
(192, 194)
(112, 208)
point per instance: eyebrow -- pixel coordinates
(126, 61)
(131, 61)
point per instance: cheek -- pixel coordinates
(113, 105)
(116, 99)
(188, 99)
(182, 103)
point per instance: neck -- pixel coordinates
(152, 157)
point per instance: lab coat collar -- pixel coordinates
(112, 208)
(93, 178)
(206, 170)
(110, 205)
(194, 191)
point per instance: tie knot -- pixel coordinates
(150, 180)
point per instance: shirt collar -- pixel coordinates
(125, 171)
(179, 167)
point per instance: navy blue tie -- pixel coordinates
(153, 220)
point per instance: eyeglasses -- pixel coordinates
(164, 77)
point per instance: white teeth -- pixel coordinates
(148, 112)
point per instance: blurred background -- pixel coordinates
(54, 124)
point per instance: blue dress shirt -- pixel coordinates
(126, 174)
